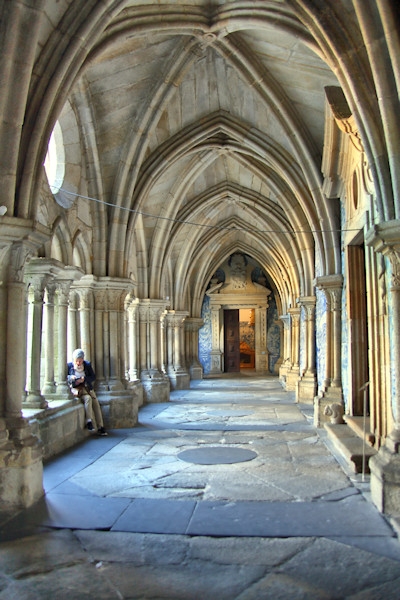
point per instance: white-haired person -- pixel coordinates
(80, 379)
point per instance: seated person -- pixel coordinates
(80, 380)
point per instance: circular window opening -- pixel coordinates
(54, 163)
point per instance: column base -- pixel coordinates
(156, 387)
(292, 378)
(120, 408)
(306, 389)
(283, 371)
(34, 400)
(278, 366)
(179, 380)
(261, 362)
(21, 467)
(385, 481)
(216, 362)
(196, 372)
(49, 388)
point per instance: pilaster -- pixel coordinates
(21, 466)
(178, 376)
(307, 383)
(293, 373)
(385, 466)
(331, 391)
(285, 349)
(192, 326)
(156, 385)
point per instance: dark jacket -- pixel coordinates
(89, 374)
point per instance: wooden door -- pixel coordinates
(231, 341)
(358, 333)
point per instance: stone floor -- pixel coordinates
(226, 492)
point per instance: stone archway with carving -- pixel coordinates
(238, 292)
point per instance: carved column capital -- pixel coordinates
(285, 320)
(309, 304)
(385, 238)
(294, 315)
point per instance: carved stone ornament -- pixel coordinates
(335, 412)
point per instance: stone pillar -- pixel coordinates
(216, 353)
(286, 349)
(103, 332)
(156, 385)
(49, 386)
(63, 294)
(336, 304)
(294, 371)
(307, 384)
(21, 466)
(261, 348)
(331, 392)
(179, 378)
(385, 466)
(192, 326)
(85, 311)
(279, 362)
(73, 340)
(143, 339)
(133, 368)
(37, 282)
(16, 333)
(115, 299)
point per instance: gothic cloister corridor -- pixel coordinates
(202, 199)
(134, 516)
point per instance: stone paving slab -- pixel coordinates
(284, 519)
(198, 519)
(82, 512)
(107, 565)
(156, 516)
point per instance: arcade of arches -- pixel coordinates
(168, 167)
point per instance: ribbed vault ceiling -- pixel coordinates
(206, 121)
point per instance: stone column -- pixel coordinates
(192, 326)
(261, 348)
(332, 391)
(49, 386)
(154, 338)
(115, 303)
(84, 311)
(279, 362)
(21, 466)
(216, 353)
(307, 384)
(294, 371)
(143, 339)
(133, 370)
(37, 283)
(156, 385)
(336, 304)
(178, 377)
(73, 340)
(63, 288)
(385, 466)
(286, 349)
(16, 333)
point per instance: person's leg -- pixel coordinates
(87, 403)
(97, 414)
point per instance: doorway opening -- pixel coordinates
(358, 332)
(239, 339)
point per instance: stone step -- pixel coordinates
(351, 446)
(357, 425)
